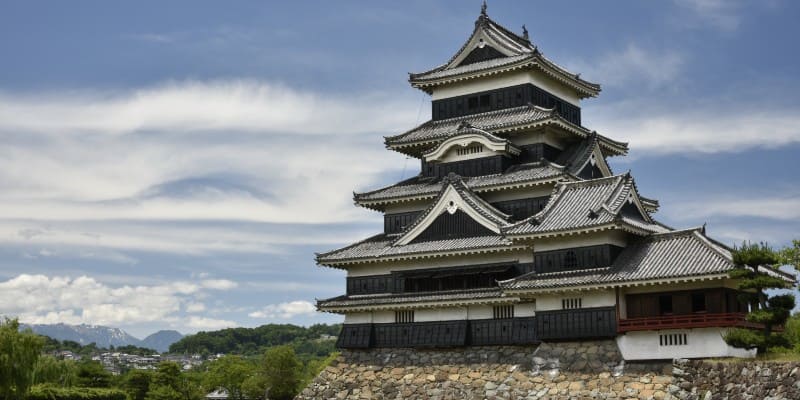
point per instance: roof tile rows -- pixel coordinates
(426, 187)
(586, 204)
(677, 254)
(406, 298)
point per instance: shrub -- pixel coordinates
(45, 392)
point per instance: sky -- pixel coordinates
(175, 165)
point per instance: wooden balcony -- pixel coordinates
(699, 320)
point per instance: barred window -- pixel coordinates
(502, 312)
(568, 304)
(404, 317)
(469, 150)
(672, 339)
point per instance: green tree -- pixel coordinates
(19, 352)
(283, 372)
(230, 373)
(137, 383)
(755, 264)
(92, 374)
(55, 372)
(170, 383)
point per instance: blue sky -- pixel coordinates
(176, 165)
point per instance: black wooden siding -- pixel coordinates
(451, 226)
(355, 336)
(520, 209)
(588, 323)
(575, 258)
(370, 284)
(421, 334)
(582, 323)
(437, 279)
(536, 152)
(472, 167)
(498, 99)
(503, 331)
(395, 223)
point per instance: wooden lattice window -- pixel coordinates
(503, 312)
(573, 303)
(404, 317)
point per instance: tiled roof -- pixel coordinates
(406, 298)
(491, 121)
(380, 247)
(496, 122)
(441, 72)
(518, 50)
(425, 187)
(662, 256)
(585, 205)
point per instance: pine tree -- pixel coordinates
(753, 265)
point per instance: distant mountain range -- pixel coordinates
(104, 336)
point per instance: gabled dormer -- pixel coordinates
(497, 68)
(585, 159)
(456, 212)
(469, 143)
(581, 207)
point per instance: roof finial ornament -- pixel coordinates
(483, 8)
(525, 33)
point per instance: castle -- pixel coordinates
(516, 230)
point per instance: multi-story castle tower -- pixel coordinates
(516, 230)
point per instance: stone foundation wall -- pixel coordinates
(736, 380)
(550, 371)
(573, 370)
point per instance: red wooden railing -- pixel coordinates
(685, 321)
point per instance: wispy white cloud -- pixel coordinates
(634, 65)
(285, 310)
(194, 106)
(207, 324)
(702, 129)
(784, 208)
(219, 284)
(720, 14)
(239, 150)
(42, 299)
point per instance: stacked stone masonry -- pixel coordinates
(571, 370)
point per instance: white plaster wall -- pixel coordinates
(458, 261)
(480, 312)
(701, 343)
(383, 317)
(604, 298)
(535, 77)
(358, 318)
(616, 238)
(525, 309)
(440, 314)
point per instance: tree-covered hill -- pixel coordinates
(251, 341)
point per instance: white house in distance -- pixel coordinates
(517, 231)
